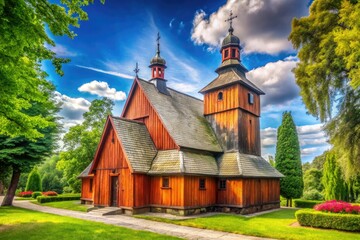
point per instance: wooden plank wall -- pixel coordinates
(235, 96)
(112, 161)
(139, 108)
(260, 191)
(249, 133)
(142, 190)
(196, 197)
(172, 196)
(85, 188)
(233, 194)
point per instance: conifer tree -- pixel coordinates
(287, 159)
(335, 186)
(34, 181)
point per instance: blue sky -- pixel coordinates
(121, 33)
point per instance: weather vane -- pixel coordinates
(136, 70)
(231, 17)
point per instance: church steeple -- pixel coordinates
(158, 65)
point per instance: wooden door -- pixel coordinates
(114, 191)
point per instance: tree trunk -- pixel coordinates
(290, 202)
(9, 197)
(287, 202)
(1, 188)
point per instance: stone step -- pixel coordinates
(105, 211)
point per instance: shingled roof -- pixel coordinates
(86, 171)
(182, 116)
(186, 162)
(245, 165)
(231, 76)
(137, 143)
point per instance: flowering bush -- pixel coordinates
(50, 193)
(335, 206)
(25, 194)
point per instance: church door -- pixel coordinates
(114, 191)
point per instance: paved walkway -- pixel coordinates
(140, 224)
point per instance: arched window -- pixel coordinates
(220, 96)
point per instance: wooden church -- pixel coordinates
(171, 152)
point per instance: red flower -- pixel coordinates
(337, 207)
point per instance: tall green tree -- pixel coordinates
(34, 181)
(334, 184)
(50, 175)
(81, 142)
(21, 154)
(24, 44)
(328, 73)
(287, 159)
(312, 180)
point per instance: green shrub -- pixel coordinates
(300, 203)
(34, 181)
(59, 198)
(312, 194)
(36, 194)
(313, 218)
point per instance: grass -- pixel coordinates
(69, 205)
(17, 223)
(272, 225)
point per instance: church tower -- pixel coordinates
(232, 102)
(158, 65)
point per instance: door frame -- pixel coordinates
(113, 177)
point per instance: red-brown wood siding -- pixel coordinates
(112, 161)
(142, 190)
(172, 196)
(233, 194)
(196, 197)
(234, 96)
(249, 133)
(139, 108)
(260, 191)
(85, 188)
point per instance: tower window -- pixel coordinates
(233, 53)
(251, 98)
(220, 96)
(226, 53)
(202, 183)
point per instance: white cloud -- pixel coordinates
(113, 73)
(277, 81)
(263, 25)
(71, 108)
(171, 22)
(102, 89)
(62, 51)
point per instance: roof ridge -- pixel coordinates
(127, 120)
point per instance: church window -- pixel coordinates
(226, 53)
(222, 184)
(202, 183)
(251, 98)
(220, 96)
(165, 182)
(233, 53)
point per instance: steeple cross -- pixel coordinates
(231, 17)
(136, 70)
(158, 43)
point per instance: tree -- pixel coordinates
(22, 154)
(34, 181)
(312, 180)
(271, 161)
(287, 159)
(50, 175)
(334, 184)
(328, 73)
(24, 44)
(81, 142)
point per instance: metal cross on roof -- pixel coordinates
(231, 17)
(136, 70)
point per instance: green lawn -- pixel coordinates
(272, 225)
(17, 223)
(69, 205)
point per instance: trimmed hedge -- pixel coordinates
(300, 203)
(36, 194)
(313, 218)
(59, 198)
